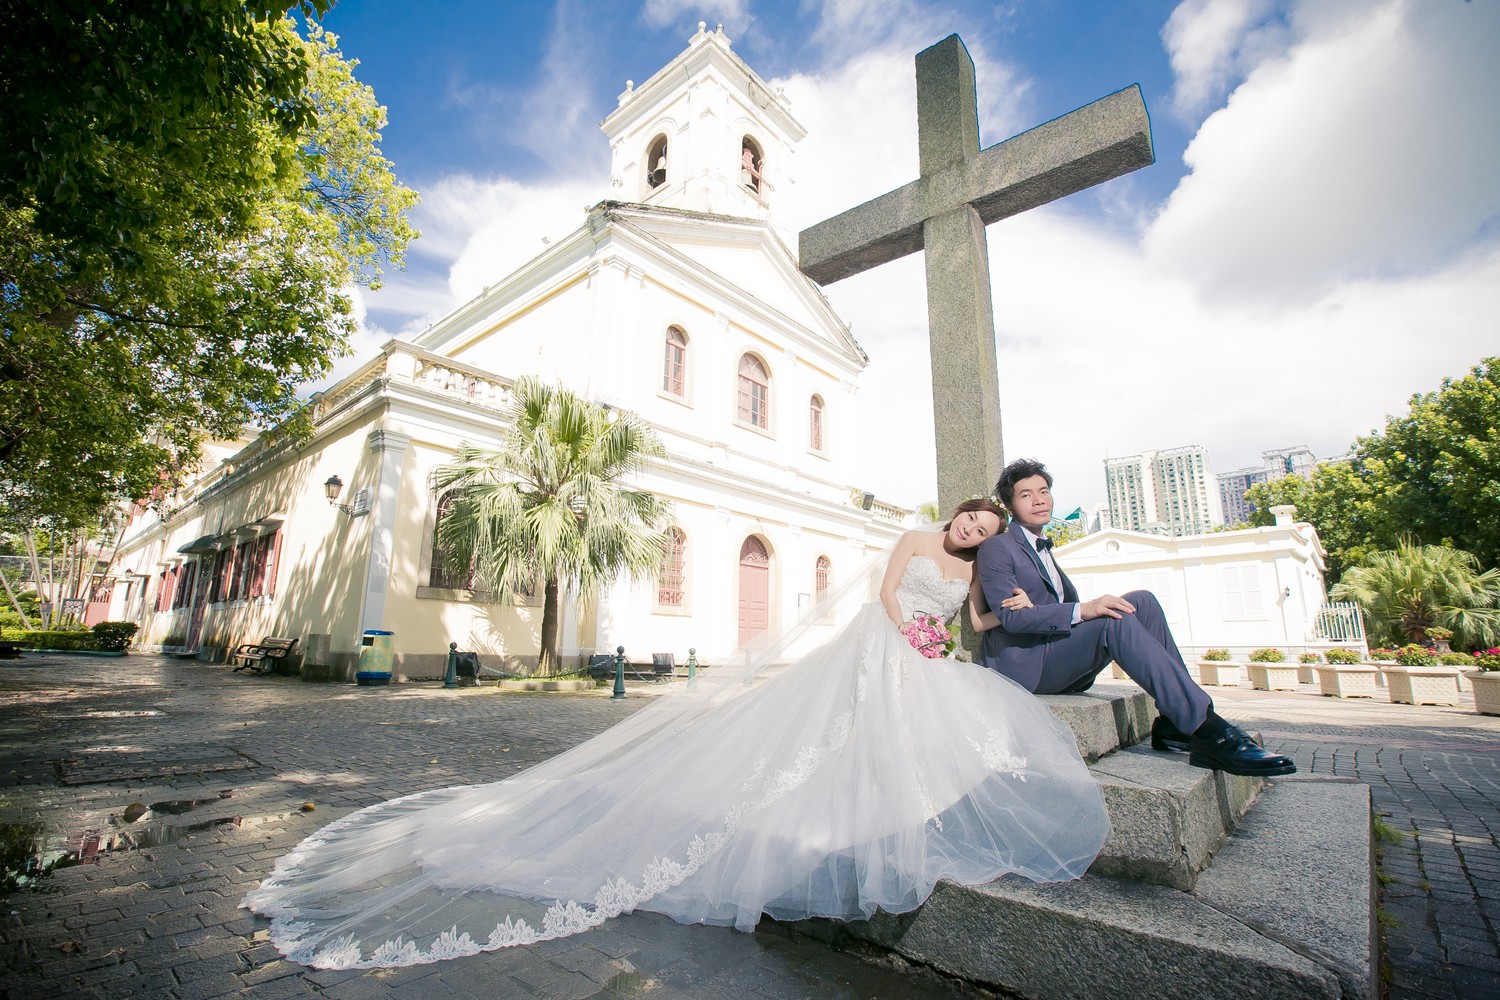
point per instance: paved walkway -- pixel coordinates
(223, 762)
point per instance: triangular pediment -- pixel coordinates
(743, 257)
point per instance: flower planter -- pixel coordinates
(1273, 676)
(1220, 673)
(1347, 680)
(1486, 684)
(1307, 673)
(1422, 685)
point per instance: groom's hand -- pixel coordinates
(1108, 606)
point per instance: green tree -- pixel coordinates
(1440, 465)
(1341, 499)
(553, 503)
(174, 259)
(1406, 590)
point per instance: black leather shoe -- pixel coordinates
(1166, 736)
(1234, 752)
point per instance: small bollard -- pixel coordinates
(692, 665)
(450, 679)
(619, 673)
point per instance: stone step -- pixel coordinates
(1285, 912)
(1167, 818)
(1105, 718)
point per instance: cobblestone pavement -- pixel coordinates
(224, 762)
(1434, 777)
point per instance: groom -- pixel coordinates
(1059, 644)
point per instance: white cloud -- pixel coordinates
(1367, 148)
(733, 14)
(1209, 42)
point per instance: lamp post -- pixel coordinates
(619, 673)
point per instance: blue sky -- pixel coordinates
(1317, 240)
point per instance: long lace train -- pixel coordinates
(851, 780)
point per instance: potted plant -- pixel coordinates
(1416, 678)
(1345, 676)
(1439, 637)
(1270, 672)
(1485, 678)
(1214, 668)
(1307, 667)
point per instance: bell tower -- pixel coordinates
(705, 134)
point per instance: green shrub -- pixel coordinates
(1382, 654)
(1342, 656)
(72, 638)
(1412, 655)
(1309, 658)
(114, 636)
(1267, 656)
(1438, 632)
(1455, 659)
(1216, 655)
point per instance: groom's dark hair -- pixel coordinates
(1021, 468)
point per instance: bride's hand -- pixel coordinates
(1017, 601)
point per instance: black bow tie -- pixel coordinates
(1043, 544)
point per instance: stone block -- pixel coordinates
(1300, 870)
(1105, 717)
(1286, 910)
(1166, 818)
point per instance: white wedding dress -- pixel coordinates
(850, 779)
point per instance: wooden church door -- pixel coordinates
(755, 589)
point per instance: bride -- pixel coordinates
(847, 780)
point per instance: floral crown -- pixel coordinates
(984, 496)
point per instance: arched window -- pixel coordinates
(656, 162)
(815, 423)
(674, 364)
(822, 576)
(754, 392)
(752, 165)
(443, 575)
(669, 582)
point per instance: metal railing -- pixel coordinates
(1339, 621)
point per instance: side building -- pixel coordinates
(681, 303)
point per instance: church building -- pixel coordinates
(677, 299)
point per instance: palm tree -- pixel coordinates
(552, 504)
(1406, 590)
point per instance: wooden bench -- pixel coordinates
(264, 655)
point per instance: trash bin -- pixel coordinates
(376, 653)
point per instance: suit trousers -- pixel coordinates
(1142, 644)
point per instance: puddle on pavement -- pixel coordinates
(119, 713)
(29, 852)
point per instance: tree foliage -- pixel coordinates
(553, 503)
(1432, 475)
(1407, 590)
(182, 209)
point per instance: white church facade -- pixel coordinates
(677, 300)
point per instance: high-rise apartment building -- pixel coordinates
(1167, 492)
(1278, 463)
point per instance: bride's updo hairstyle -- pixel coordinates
(978, 503)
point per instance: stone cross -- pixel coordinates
(962, 189)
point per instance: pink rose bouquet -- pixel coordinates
(928, 635)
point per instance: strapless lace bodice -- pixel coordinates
(923, 588)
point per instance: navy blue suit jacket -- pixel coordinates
(1018, 646)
